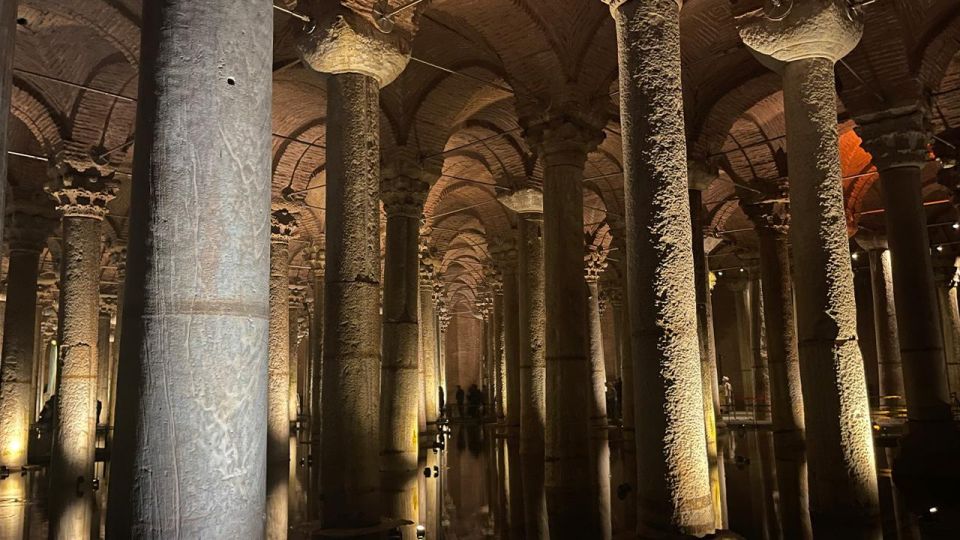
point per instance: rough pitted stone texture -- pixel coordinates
(194, 376)
(826, 29)
(884, 320)
(403, 199)
(431, 293)
(599, 438)
(523, 201)
(674, 492)
(351, 353)
(897, 137)
(16, 369)
(842, 471)
(945, 274)
(504, 254)
(75, 419)
(533, 413)
(563, 144)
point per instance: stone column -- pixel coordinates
(283, 227)
(759, 370)
(403, 194)
(316, 258)
(8, 40)
(595, 264)
(192, 390)
(884, 321)
(499, 357)
(504, 254)
(771, 218)
(927, 467)
(117, 259)
(660, 276)
(699, 177)
(428, 338)
(528, 204)
(107, 310)
(26, 237)
(945, 275)
(563, 143)
(81, 199)
(299, 329)
(803, 44)
(359, 62)
(739, 284)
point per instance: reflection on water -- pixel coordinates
(467, 492)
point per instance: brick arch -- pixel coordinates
(37, 117)
(938, 47)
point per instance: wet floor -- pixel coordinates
(470, 494)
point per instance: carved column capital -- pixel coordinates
(871, 241)
(28, 231)
(315, 256)
(82, 195)
(297, 298)
(523, 201)
(594, 263)
(564, 139)
(108, 306)
(896, 137)
(503, 254)
(283, 226)
(404, 196)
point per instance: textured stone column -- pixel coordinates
(563, 144)
(945, 275)
(504, 254)
(595, 264)
(673, 498)
(283, 227)
(699, 179)
(359, 62)
(192, 389)
(497, 334)
(27, 235)
(107, 311)
(771, 219)
(403, 194)
(8, 39)
(316, 257)
(884, 321)
(804, 44)
(428, 338)
(760, 373)
(117, 259)
(528, 204)
(82, 202)
(927, 468)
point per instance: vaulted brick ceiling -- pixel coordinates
(512, 60)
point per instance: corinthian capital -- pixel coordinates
(897, 137)
(404, 195)
(595, 262)
(82, 194)
(283, 225)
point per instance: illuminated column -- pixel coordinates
(563, 143)
(528, 204)
(927, 468)
(358, 63)
(504, 255)
(499, 358)
(27, 236)
(299, 328)
(739, 284)
(118, 259)
(803, 44)
(672, 498)
(192, 390)
(403, 194)
(699, 178)
(428, 338)
(771, 218)
(945, 274)
(316, 258)
(884, 321)
(8, 39)
(107, 311)
(595, 264)
(759, 371)
(81, 199)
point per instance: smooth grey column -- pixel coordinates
(563, 145)
(884, 322)
(192, 389)
(81, 200)
(16, 370)
(673, 498)
(771, 220)
(596, 263)
(528, 204)
(316, 257)
(403, 197)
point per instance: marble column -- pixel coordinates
(26, 237)
(673, 498)
(945, 275)
(759, 369)
(594, 266)
(192, 389)
(884, 322)
(81, 199)
(771, 218)
(283, 227)
(118, 260)
(499, 357)
(316, 258)
(358, 63)
(403, 194)
(739, 284)
(107, 311)
(528, 204)
(563, 143)
(699, 177)
(803, 45)
(428, 339)
(504, 254)
(8, 39)
(927, 468)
